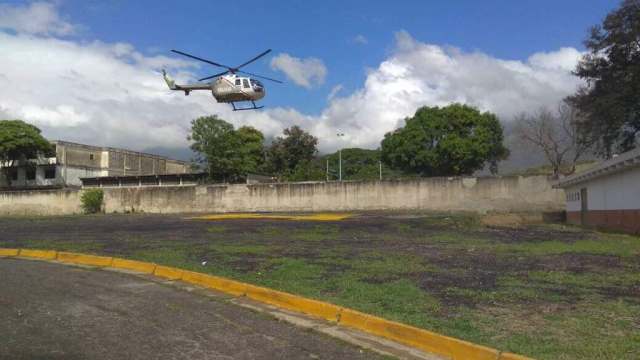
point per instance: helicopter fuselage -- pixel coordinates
(231, 88)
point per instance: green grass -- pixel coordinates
(565, 295)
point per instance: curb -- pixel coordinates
(421, 339)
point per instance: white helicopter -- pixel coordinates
(227, 87)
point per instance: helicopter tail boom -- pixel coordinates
(186, 88)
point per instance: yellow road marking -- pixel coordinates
(309, 217)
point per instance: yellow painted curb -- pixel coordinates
(510, 356)
(83, 259)
(293, 302)
(140, 266)
(38, 254)
(168, 273)
(8, 252)
(419, 338)
(213, 282)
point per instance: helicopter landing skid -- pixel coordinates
(254, 107)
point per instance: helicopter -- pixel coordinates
(227, 86)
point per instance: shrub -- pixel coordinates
(92, 201)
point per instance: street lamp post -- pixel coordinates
(340, 135)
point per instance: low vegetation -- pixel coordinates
(91, 201)
(547, 291)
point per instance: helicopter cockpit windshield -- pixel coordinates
(257, 85)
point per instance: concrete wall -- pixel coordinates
(440, 194)
(519, 194)
(40, 202)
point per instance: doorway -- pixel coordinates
(584, 206)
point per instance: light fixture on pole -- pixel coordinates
(340, 134)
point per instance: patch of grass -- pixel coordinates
(604, 244)
(316, 233)
(271, 231)
(72, 246)
(217, 229)
(505, 288)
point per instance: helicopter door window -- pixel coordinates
(238, 82)
(245, 83)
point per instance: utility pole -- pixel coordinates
(380, 163)
(340, 135)
(327, 169)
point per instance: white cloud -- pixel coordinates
(360, 39)
(418, 74)
(108, 93)
(304, 72)
(40, 18)
(334, 91)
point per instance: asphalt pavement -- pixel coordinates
(52, 311)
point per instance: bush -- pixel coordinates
(92, 201)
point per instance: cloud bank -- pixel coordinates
(109, 93)
(35, 18)
(307, 72)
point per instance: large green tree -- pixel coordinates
(20, 141)
(452, 140)
(610, 102)
(296, 147)
(226, 153)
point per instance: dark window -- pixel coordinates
(90, 156)
(50, 173)
(31, 174)
(238, 82)
(14, 174)
(245, 83)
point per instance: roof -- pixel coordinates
(624, 161)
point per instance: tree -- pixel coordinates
(452, 140)
(20, 141)
(557, 135)
(285, 153)
(227, 154)
(251, 149)
(610, 99)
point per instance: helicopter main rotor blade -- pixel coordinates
(254, 59)
(213, 76)
(201, 59)
(260, 76)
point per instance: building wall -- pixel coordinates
(613, 201)
(176, 167)
(112, 162)
(40, 179)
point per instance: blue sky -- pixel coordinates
(236, 30)
(380, 59)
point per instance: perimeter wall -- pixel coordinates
(504, 194)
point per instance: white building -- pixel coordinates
(74, 161)
(607, 195)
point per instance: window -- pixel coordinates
(90, 156)
(31, 173)
(245, 83)
(50, 173)
(238, 82)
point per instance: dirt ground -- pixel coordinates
(505, 286)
